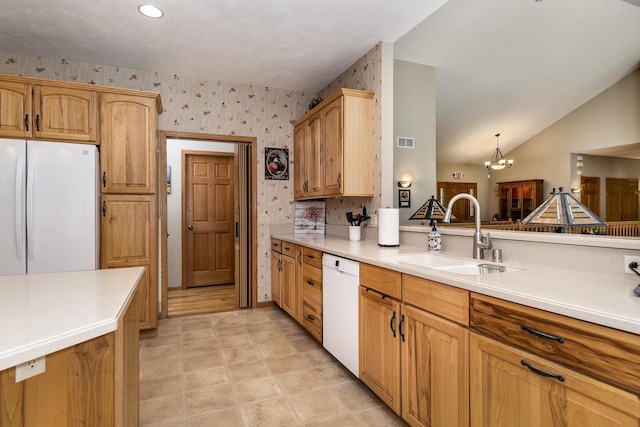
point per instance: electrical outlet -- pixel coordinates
(29, 369)
(628, 259)
(373, 221)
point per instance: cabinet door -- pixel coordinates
(129, 238)
(507, 391)
(128, 139)
(15, 110)
(275, 277)
(300, 161)
(65, 114)
(380, 346)
(332, 155)
(435, 387)
(289, 286)
(313, 156)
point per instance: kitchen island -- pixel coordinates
(85, 323)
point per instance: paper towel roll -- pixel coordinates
(388, 227)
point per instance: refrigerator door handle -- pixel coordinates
(19, 207)
(31, 232)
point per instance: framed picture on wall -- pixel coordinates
(276, 163)
(404, 196)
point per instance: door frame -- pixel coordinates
(183, 159)
(253, 183)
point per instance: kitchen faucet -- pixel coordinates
(480, 243)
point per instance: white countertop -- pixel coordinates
(43, 313)
(603, 299)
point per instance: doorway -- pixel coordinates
(239, 264)
(621, 199)
(463, 210)
(590, 194)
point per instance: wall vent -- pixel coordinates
(406, 142)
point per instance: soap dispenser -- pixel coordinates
(434, 240)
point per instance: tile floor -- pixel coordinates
(248, 368)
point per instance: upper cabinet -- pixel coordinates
(333, 146)
(128, 127)
(15, 109)
(65, 114)
(48, 112)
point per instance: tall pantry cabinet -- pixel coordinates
(128, 165)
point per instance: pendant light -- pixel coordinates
(498, 162)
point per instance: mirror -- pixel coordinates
(604, 124)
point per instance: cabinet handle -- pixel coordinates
(310, 282)
(340, 180)
(400, 327)
(393, 318)
(311, 257)
(104, 179)
(26, 122)
(310, 317)
(541, 372)
(299, 258)
(286, 248)
(38, 122)
(104, 208)
(542, 335)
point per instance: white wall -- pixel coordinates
(174, 200)
(414, 116)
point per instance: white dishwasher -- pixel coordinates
(340, 282)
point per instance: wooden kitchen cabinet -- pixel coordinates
(380, 346)
(15, 109)
(128, 126)
(519, 198)
(276, 267)
(286, 271)
(548, 369)
(307, 149)
(342, 161)
(129, 238)
(311, 288)
(65, 114)
(48, 112)
(510, 387)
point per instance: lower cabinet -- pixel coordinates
(296, 283)
(416, 361)
(128, 238)
(435, 375)
(380, 346)
(510, 387)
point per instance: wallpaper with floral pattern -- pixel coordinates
(364, 74)
(209, 106)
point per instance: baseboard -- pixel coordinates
(264, 304)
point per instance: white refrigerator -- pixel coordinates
(48, 207)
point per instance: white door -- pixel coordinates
(12, 206)
(61, 207)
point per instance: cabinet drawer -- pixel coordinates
(290, 249)
(604, 353)
(312, 319)
(312, 284)
(445, 301)
(276, 245)
(382, 280)
(312, 257)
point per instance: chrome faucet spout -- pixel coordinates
(480, 242)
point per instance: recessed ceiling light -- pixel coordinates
(150, 10)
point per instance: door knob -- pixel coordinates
(190, 227)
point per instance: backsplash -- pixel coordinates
(207, 106)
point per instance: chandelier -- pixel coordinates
(498, 161)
